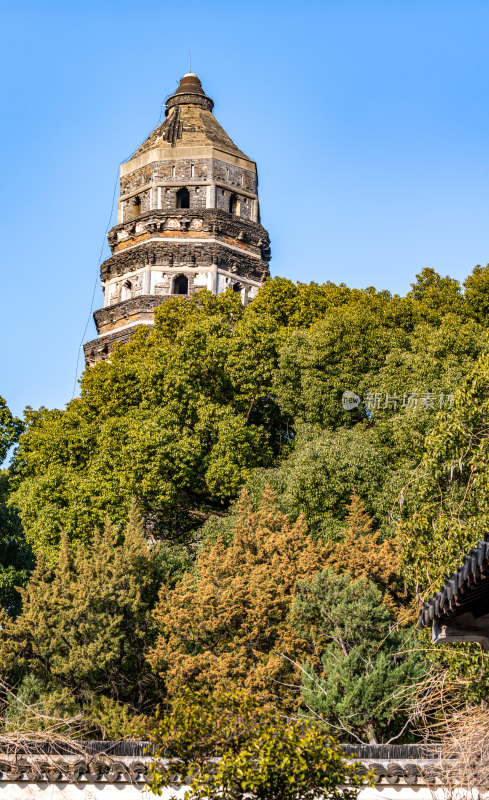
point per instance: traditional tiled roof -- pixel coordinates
(128, 763)
(466, 590)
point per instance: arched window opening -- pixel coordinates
(234, 205)
(136, 207)
(183, 198)
(237, 287)
(126, 290)
(180, 284)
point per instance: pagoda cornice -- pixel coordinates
(190, 253)
(189, 224)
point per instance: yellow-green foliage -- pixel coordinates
(227, 621)
(259, 753)
(85, 625)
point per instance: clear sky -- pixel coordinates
(369, 121)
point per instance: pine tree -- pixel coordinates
(227, 622)
(366, 662)
(86, 625)
(357, 519)
(363, 554)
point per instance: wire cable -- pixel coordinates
(102, 249)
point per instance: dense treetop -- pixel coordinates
(182, 416)
(364, 503)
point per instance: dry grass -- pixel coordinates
(455, 734)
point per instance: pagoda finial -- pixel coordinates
(190, 91)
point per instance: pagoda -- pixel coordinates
(188, 219)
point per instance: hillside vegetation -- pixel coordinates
(213, 512)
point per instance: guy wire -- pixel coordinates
(102, 249)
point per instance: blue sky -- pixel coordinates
(368, 121)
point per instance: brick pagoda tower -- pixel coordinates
(188, 219)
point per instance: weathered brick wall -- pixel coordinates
(134, 181)
(101, 348)
(179, 174)
(121, 306)
(235, 176)
(215, 220)
(179, 171)
(224, 199)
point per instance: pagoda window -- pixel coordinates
(136, 207)
(183, 198)
(234, 205)
(126, 290)
(180, 284)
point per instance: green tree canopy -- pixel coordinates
(10, 429)
(235, 748)
(214, 398)
(184, 414)
(477, 293)
(16, 559)
(439, 295)
(446, 505)
(15, 555)
(177, 419)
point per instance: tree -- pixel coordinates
(183, 414)
(445, 511)
(226, 623)
(177, 419)
(10, 429)
(342, 351)
(85, 625)
(15, 555)
(429, 367)
(16, 558)
(323, 469)
(234, 749)
(446, 505)
(365, 661)
(477, 293)
(439, 295)
(374, 456)
(363, 554)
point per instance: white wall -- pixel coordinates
(83, 790)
